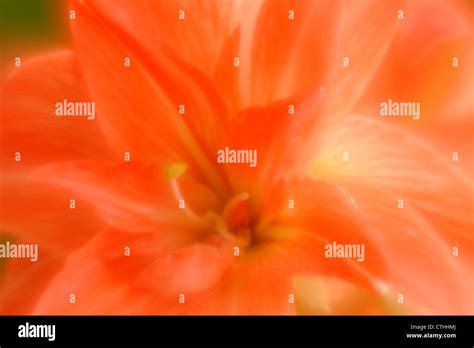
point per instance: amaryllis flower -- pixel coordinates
(134, 213)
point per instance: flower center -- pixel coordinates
(232, 224)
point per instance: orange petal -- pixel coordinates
(419, 68)
(195, 31)
(275, 135)
(227, 74)
(86, 280)
(48, 211)
(186, 270)
(158, 79)
(254, 286)
(289, 57)
(30, 126)
(21, 276)
(321, 214)
(365, 44)
(387, 164)
(132, 196)
(419, 63)
(128, 195)
(29, 123)
(148, 280)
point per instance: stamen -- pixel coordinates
(234, 216)
(178, 195)
(172, 173)
(220, 226)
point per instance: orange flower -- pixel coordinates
(160, 226)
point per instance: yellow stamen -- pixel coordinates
(219, 225)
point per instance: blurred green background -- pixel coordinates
(30, 26)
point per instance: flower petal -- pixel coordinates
(48, 211)
(132, 196)
(196, 31)
(332, 296)
(84, 286)
(190, 269)
(291, 57)
(29, 123)
(253, 286)
(365, 44)
(320, 215)
(158, 79)
(388, 164)
(20, 276)
(419, 68)
(106, 280)
(282, 143)
(419, 64)
(32, 213)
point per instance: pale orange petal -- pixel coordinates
(387, 164)
(320, 215)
